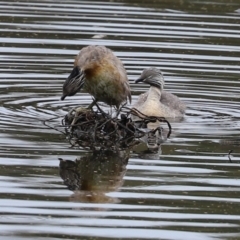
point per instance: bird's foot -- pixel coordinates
(119, 109)
(94, 103)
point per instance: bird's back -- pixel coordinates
(166, 105)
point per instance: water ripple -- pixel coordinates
(186, 190)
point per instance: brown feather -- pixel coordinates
(105, 75)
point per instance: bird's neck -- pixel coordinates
(154, 94)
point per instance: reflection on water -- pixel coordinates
(186, 188)
(94, 174)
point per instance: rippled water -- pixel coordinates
(187, 190)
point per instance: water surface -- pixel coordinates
(186, 190)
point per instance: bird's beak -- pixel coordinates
(63, 97)
(69, 86)
(139, 80)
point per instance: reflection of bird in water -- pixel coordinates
(146, 151)
(94, 174)
(69, 174)
(156, 101)
(99, 72)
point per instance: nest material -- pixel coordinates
(95, 128)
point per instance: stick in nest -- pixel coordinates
(91, 128)
(147, 119)
(229, 156)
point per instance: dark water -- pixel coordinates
(187, 190)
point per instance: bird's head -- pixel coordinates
(73, 83)
(152, 76)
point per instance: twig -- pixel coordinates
(148, 119)
(50, 119)
(229, 156)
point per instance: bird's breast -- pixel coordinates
(104, 89)
(105, 81)
(151, 107)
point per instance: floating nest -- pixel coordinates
(97, 129)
